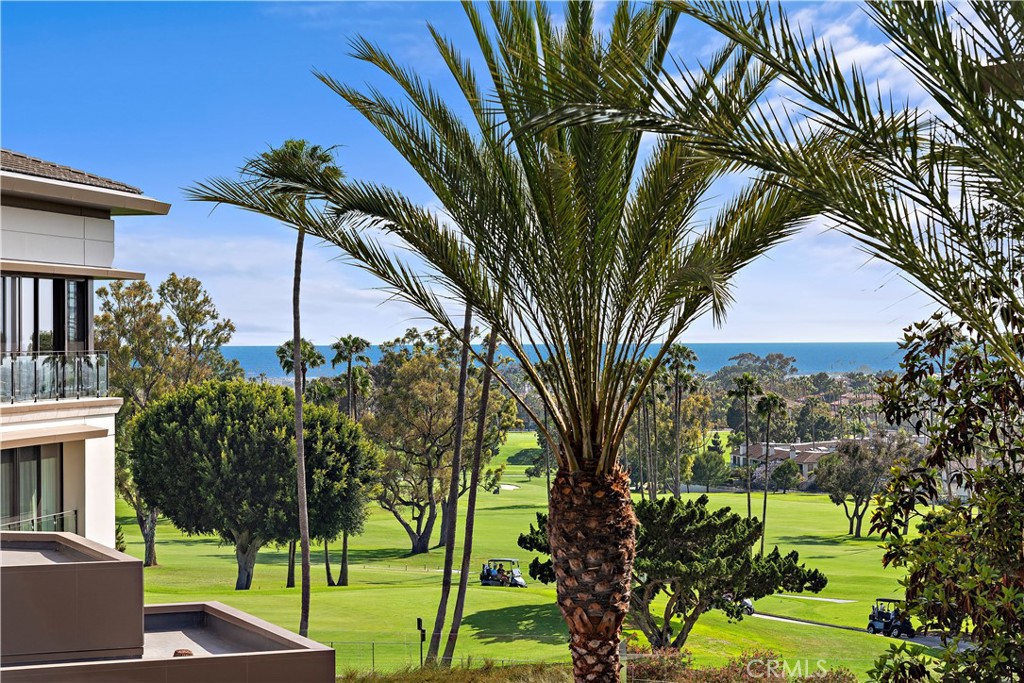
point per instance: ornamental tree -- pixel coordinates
(218, 458)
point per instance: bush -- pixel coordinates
(749, 667)
(661, 664)
(119, 544)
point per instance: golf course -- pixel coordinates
(372, 622)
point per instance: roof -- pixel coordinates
(17, 162)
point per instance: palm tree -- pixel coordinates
(747, 385)
(308, 358)
(921, 190)
(347, 349)
(767, 405)
(296, 156)
(680, 362)
(563, 241)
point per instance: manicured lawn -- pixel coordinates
(372, 621)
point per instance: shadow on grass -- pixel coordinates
(812, 539)
(542, 623)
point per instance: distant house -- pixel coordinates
(56, 417)
(805, 454)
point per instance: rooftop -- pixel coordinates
(16, 162)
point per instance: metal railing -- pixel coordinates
(58, 521)
(52, 375)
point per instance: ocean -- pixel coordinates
(811, 358)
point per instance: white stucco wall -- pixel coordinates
(88, 464)
(30, 235)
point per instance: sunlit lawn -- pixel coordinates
(372, 622)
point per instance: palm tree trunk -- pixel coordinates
(300, 455)
(450, 510)
(764, 509)
(639, 457)
(474, 483)
(676, 405)
(591, 530)
(655, 469)
(746, 459)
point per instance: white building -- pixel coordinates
(56, 419)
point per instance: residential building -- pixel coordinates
(56, 417)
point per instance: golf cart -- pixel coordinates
(887, 619)
(502, 571)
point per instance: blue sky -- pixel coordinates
(160, 95)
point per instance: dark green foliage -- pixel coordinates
(709, 469)
(786, 476)
(965, 568)
(219, 458)
(698, 559)
(537, 540)
(119, 544)
(701, 560)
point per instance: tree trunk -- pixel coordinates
(591, 529)
(245, 556)
(675, 437)
(327, 564)
(655, 468)
(147, 523)
(746, 458)
(290, 581)
(764, 508)
(474, 483)
(300, 455)
(450, 510)
(343, 576)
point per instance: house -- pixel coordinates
(806, 454)
(71, 607)
(56, 417)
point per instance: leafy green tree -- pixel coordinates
(786, 476)
(857, 471)
(767, 405)
(218, 458)
(709, 469)
(814, 421)
(746, 386)
(570, 237)
(691, 560)
(963, 566)
(155, 345)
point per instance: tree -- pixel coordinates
(814, 421)
(709, 468)
(691, 560)
(154, 346)
(218, 458)
(963, 566)
(857, 470)
(310, 357)
(563, 235)
(680, 362)
(347, 349)
(746, 387)
(786, 476)
(767, 405)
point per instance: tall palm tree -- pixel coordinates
(566, 242)
(296, 156)
(680, 363)
(309, 358)
(769, 404)
(747, 385)
(347, 349)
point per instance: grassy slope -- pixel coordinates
(390, 589)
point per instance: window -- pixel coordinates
(31, 488)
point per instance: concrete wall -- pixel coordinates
(30, 235)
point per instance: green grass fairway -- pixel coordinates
(372, 622)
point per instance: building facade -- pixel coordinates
(56, 417)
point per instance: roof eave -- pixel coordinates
(76, 194)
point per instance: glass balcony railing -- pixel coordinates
(59, 521)
(52, 375)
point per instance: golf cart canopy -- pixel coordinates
(503, 559)
(887, 600)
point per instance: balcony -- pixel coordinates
(60, 521)
(52, 375)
